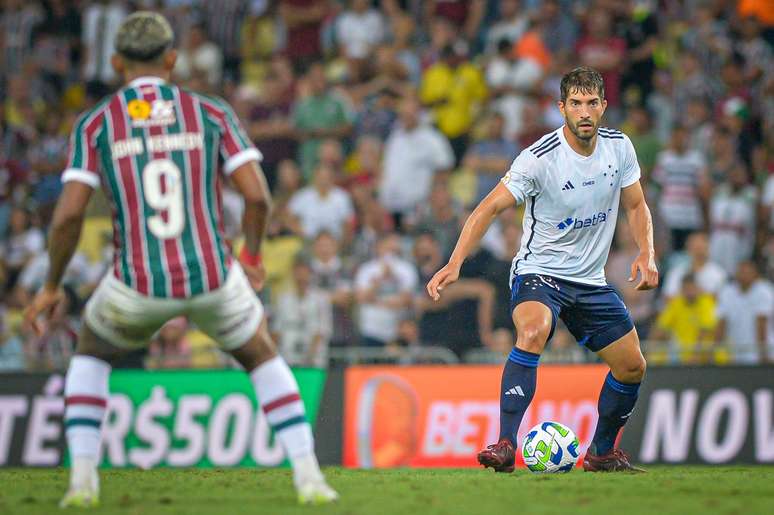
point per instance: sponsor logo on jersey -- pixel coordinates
(583, 222)
(151, 114)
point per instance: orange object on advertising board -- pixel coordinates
(441, 416)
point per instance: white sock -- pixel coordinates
(86, 395)
(277, 391)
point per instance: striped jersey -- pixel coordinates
(158, 152)
(571, 204)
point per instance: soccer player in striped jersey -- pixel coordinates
(572, 181)
(160, 152)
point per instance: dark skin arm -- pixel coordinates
(62, 241)
(251, 184)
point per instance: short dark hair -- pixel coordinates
(582, 80)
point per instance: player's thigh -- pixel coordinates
(118, 316)
(535, 305)
(625, 358)
(230, 315)
(597, 317)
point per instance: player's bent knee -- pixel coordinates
(532, 337)
(632, 371)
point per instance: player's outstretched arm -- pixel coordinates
(641, 225)
(63, 239)
(474, 229)
(251, 184)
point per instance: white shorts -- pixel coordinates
(127, 319)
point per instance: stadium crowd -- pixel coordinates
(382, 124)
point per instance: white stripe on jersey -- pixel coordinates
(571, 204)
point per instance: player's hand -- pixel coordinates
(44, 303)
(256, 275)
(443, 277)
(646, 265)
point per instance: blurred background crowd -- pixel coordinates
(382, 124)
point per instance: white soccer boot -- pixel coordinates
(84, 485)
(310, 482)
(316, 492)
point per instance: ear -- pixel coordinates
(170, 58)
(119, 65)
(560, 105)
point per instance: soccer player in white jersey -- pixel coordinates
(160, 153)
(572, 181)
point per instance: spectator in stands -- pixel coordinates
(384, 289)
(271, 126)
(618, 270)
(23, 243)
(454, 88)
(47, 158)
(440, 216)
(323, 206)
(490, 157)
(413, 154)
(732, 215)
(468, 305)
(510, 80)
(746, 313)
(722, 156)
(18, 21)
(681, 173)
(11, 347)
(333, 277)
(199, 61)
(358, 30)
(303, 321)
(688, 321)
(170, 348)
(709, 275)
(638, 126)
(303, 19)
(318, 113)
(512, 23)
(100, 22)
(601, 49)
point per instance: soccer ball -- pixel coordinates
(550, 447)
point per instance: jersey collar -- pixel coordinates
(147, 80)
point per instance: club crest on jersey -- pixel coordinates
(151, 114)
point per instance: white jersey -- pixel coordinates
(571, 204)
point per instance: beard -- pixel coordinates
(576, 130)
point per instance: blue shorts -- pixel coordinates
(595, 315)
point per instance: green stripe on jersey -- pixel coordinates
(114, 189)
(211, 156)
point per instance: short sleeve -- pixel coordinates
(236, 148)
(630, 173)
(764, 300)
(82, 158)
(521, 177)
(722, 310)
(442, 153)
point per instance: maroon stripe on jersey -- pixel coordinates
(89, 133)
(207, 240)
(175, 269)
(232, 146)
(126, 176)
(221, 227)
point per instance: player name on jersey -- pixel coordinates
(160, 143)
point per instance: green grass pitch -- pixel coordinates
(662, 491)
